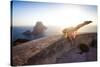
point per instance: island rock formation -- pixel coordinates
(39, 28)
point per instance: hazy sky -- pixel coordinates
(56, 14)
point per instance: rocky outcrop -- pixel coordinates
(39, 28)
(19, 41)
(28, 32)
(21, 53)
(47, 50)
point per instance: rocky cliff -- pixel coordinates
(48, 50)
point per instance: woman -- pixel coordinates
(71, 32)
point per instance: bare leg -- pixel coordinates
(70, 40)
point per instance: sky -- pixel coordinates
(26, 13)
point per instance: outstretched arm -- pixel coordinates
(82, 24)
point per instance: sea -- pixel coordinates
(17, 33)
